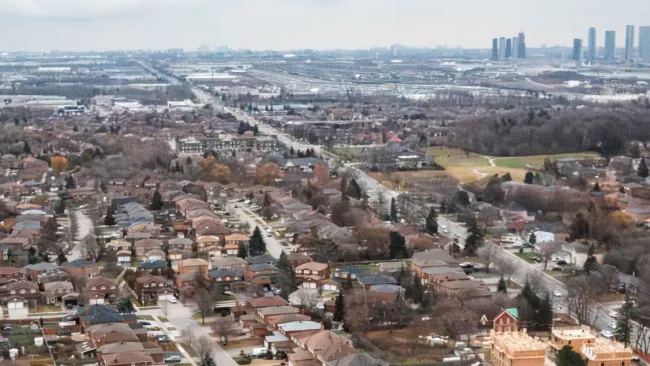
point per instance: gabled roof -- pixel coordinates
(79, 263)
(157, 264)
(377, 280)
(263, 267)
(313, 266)
(264, 258)
(223, 272)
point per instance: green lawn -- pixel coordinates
(523, 162)
(145, 317)
(528, 257)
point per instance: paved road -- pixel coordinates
(181, 317)
(84, 227)
(272, 244)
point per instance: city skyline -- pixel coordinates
(76, 25)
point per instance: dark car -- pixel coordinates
(561, 263)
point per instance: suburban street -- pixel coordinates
(272, 244)
(84, 228)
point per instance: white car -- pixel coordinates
(557, 293)
(612, 325)
(613, 314)
(606, 333)
(172, 300)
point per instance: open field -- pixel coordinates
(468, 167)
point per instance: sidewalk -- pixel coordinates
(178, 345)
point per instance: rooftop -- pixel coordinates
(576, 332)
(603, 350)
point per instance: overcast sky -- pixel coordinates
(43, 25)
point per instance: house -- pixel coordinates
(330, 285)
(155, 255)
(228, 278)
(189, 269)
(237, 239)
(233, 263)
(145, 245)
(175, 256)
(262, 273)
(151, 266)
(312, 269)
(81, 268)
(262, 259)
(544, 236)
(349, 273)
(130, 358)
(267, 312)
(471, 288)
(372, 280)
(432, 276)
(607, 352)
(55, 291)
(298, 258)
(300, 328)
(117, 245)
(266, 301)
(46, 272)
(207, 241)
(229, 250)
(430, 258)
(507, 321)
(10, 272)
(25, 291)
(578, 253)
(102, 290)
(324, 347)
(148, 287)
(358, 359)
(181, 243)
(123, 258)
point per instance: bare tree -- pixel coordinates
(487, 254)
(507, 266)
(190, 339)
(583, 292)
(224, 327)
(204, 303)
(547, 250)
(307, 298)
(204, 346)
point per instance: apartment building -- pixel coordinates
(576, 337)
(606, 352)
(517, 349)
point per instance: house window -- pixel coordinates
(219, 279)
(112, 287)
(94, 288)
(146, 285)
(227, 278)
(13, 292)
(103, 287)
(161, 284)
(23, 291)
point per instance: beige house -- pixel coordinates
(517, 349)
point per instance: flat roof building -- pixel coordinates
(606, 353)
(575, 337)
(517, 349)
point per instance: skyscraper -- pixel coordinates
(508, 48)
(502, 48)
(644, 43)
(610, 46)
(522, 46)
(495, 48)
(515, 47)
(591, 52)
(629, 43)
(577, 50)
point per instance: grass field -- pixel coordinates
(469, 167)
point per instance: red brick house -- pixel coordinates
(81, 268)
(507, 321)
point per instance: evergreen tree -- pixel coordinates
(506, 177)
(623, 329)
(502, 286)
(287, 281)
(397, 247)
(156, 201)
(26, 148)
(463, 198)
(292, 152)
(109, 219)
(61, 258)
(75, 128)
(417, 291)
(543, 319)
(532, 239)
(393, 210)
(596, 187)
(568, 357)
(529, 178)
(621, 189)
(256, 131)
(241, 251)
(642, 171)
(474, 239)
(208, 361)
(339, 308)
(60, 207)
(431, 222)
(256, 244)
(125, 306)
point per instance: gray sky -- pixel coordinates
(42, 25)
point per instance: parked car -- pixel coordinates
(173, 359)
(561, 263)
(163, 339)
(606, 333)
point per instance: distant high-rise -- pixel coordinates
(508, 48)
(629, 43)
(495, 48)
(515, 47)
(644, 43)
(610, 46)
(577, 50)
(591, 52)
(502, 48)
(522, 46)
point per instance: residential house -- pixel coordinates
(155, 255)
(230, 249)
(379, 279)
(25, 291)
(300, 329)
(11, 272)
(205, 242)
(262, 259)
(507, 321)
(81, 268)
(267, 312)
(175, 256)
(227, 278)
(324, 347)
(145, 245)
(430, 258)
(358, 359)
(237, 239)
(330, 285)
(517, 348)
(432, 276)
(101, 290)
(578, 253)
(117, 245)
(312, 269)
(153, 266)
(189, 269)
(148, 288)
(45, 272)
(298, 258)
(261, 274)
(468, 289)
(574, 336)
(123, 258)
(181, 243)
(236, 264)
(55, 291)
(349, 273)
(266, 301)
(130, 358)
